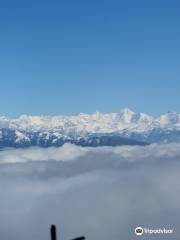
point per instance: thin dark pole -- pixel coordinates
(53, 232)
(54, 237)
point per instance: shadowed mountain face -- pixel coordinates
(9, 139)
(98, 129)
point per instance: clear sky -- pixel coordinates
(71, 56)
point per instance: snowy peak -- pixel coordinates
(96, 122)
(170, 119)
(126, 115)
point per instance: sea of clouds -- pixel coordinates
(102, 193)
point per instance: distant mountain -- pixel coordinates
(97, 129)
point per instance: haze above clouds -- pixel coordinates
(102, 193)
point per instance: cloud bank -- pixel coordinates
(69, 152)
(102, 193)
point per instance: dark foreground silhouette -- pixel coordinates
(54, 235)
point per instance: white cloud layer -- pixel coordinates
(69, 152)
(102, 193)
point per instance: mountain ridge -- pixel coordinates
(85, 128)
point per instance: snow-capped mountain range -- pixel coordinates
(97, 129)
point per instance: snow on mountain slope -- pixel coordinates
(48, 130)
(96, 122)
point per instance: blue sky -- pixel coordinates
(66, 57)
